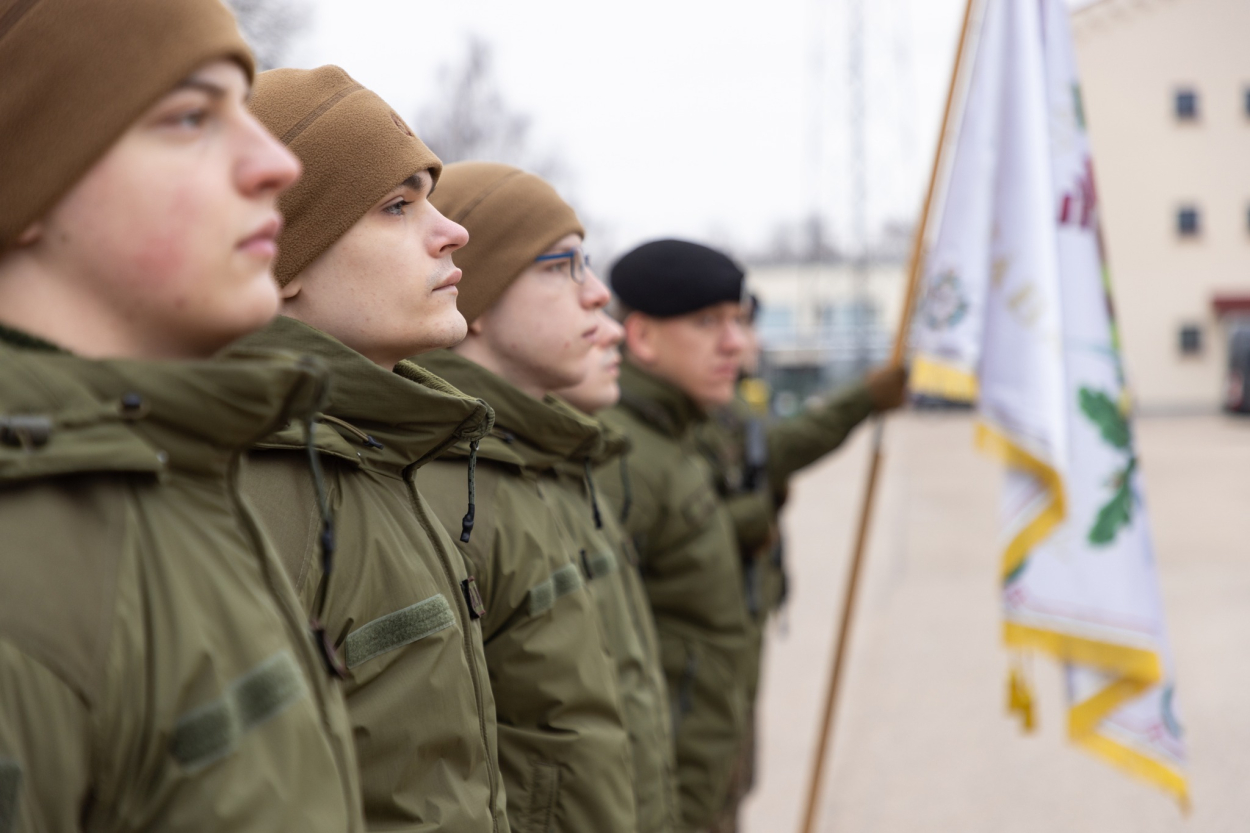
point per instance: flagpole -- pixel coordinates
(851, 590)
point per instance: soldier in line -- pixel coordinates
(752, 460)
(681, 306)
(611, 564)
(532, 311)
(367, 279)
(156, 670)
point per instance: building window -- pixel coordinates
(1188, 221)
(1190, 339)
(1186, 105)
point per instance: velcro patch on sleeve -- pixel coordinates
(566, 580)
(395, 630)
(542, 597)
(212, 731)
(10, 786)
(599, 564)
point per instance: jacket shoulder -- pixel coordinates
(64, 540)
(50, 425)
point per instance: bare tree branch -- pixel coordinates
(470, 118)
(270, 26)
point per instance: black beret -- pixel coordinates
(666, 278)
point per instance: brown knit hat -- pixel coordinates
(354, 148)
(76, 74)
(512, 217)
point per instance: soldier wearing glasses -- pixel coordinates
(563, 747)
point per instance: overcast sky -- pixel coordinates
(710, 119)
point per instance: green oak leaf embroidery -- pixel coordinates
(1106, 415)
(1114, 428)
(1118, 511)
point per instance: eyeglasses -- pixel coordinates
(578, 260)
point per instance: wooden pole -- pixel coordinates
(851, 590)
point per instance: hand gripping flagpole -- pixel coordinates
(915, 267)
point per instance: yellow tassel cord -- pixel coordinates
(935, 378)
(1020, 699)
(756, 393)
(1137, 669)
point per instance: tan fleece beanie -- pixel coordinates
(76, 74)
(512, 217)
(354, 148)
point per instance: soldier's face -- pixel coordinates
(387, 288)
(541, 333)
(601, 389)
(701, 352)
(164, 248)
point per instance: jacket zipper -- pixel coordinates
(462, 605)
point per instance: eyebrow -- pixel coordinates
(417, 181)
(213, 90)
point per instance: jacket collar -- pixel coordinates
(660, 403)
(83, 415)
(375, 417)
(530, 433)
(25, 341)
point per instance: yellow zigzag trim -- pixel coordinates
(1137, 668)
(936, 378)
(994, 442)
(1142, 766)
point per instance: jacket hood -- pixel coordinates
(375, 417)
(658, 402)
(528, 432)
(61, 414)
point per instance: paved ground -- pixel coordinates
(922, 743)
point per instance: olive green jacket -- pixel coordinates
(563, 749)
(610, 564)
(685, 540)
(793, 444)
(156, 670)
(754, 498)
(396, 604)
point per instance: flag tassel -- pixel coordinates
(1020, 699)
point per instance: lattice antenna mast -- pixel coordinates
(858, 158)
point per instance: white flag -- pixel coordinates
(1016, 313)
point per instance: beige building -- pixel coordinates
(1167, 99)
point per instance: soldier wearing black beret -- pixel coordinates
(681, 306)
(707, 477)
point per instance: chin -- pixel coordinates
(719, 396)
(262, 308)
(453, 326)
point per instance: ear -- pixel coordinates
(640, 333)
(30, 235)
(475, 327)
(292, 287)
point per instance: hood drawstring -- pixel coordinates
(320, 637)
(365, 438)
(594, 497)
(627, 491)
(466, 526)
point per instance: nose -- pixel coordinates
(611, 333)
(734, 338)
(594, 294)
(448, 235)
(265, 167)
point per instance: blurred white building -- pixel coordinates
(1167, 100)
(821, 324)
